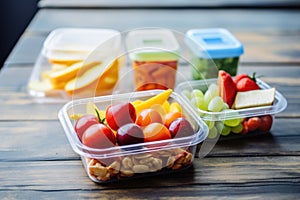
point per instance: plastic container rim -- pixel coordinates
(280, 103)
(200, 134)
(48, 46)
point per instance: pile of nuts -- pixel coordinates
(173, 159)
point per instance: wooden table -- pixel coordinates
(36, 159)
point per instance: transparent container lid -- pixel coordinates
(279, 104)
(213, 43)
(75, 43)
(152, 45)
(73, 54)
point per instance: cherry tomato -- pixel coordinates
(266, 123)
(83, 123)
(155, 132)
(181, 127)
(171, 116)
(130, 134)
(253, 123)
(245, 128)
(120, 114)
(147, 117)
(98, 136)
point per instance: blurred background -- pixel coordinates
(15, 15)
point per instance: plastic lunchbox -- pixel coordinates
(213, 49)
(135, 160)
(72, 60)
(232, 123)
(154, 54)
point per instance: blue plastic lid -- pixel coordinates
(213, 43)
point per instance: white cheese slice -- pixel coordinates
(254, 98)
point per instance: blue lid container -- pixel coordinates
(213, 43)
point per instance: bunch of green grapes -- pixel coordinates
(211, 101)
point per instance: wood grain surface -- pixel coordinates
(37, 161)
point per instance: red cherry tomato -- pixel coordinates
(99, 136)
(120, 114)
(155, 132)
(148, 116)
(266, 123)
(181, 127)
(171, 116)
(253, 123)
(130, 134)
(245, 128)
(83, 123)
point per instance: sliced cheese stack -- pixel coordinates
(254, 98)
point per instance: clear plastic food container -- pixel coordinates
(213, 49)
(72, 60)
(232, 123)
(149, 158)
(154, 54)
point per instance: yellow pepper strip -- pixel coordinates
(136, 102)
(157, 99)
(76, 116)
(175, 107)
(166, 106)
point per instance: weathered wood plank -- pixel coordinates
(43, 140)
(253, 191)
(251, 172)
(27, 49)
(46, 140)
(177, 19)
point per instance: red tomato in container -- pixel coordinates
(120, 114)
(83, 123)
(148, 116)
(156, 132)
(99, 136)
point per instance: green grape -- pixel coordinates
(235, 118)
(187, 94)
(237, 129)
(197, 93)
(232, 122)
(199, 103)
(225, 106)
(209, 95)
(213, 133)
(219, 125)
(216, 104)
(214, 88)
(210, 124)
(195, 102)
(226, 130)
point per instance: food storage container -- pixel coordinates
(213, 49)
(154, 54)
(72, 60)
(135, 160)
(231, 123)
